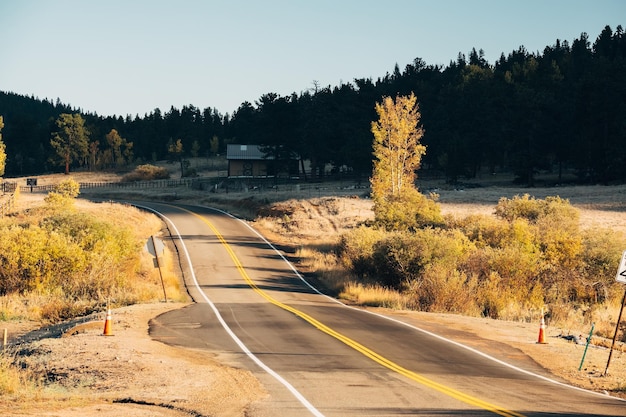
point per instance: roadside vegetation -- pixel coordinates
(59, 261)
(530, 257)
(146, 172)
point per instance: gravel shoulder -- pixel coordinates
(129, 374)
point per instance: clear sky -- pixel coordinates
(131, 56)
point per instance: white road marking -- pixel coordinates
(239, 343)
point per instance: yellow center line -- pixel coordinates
(468, 399)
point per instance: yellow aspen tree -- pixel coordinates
(398, 205)
(397, 146)
(3, 154)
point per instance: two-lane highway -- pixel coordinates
(316, 356)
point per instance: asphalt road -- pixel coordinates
(316, 356)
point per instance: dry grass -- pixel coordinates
(373, 295)
(14, 382)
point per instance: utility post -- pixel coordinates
(620, 277)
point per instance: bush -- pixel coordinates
(356, 249)
(525, 207)
(146, 172)
(440, 289)
(601, 252)
(531, 256)
(552, 209)
(66, 263)
(33, 259)
(402, 257)
(482, 230)
(409, 211)
(63, 194)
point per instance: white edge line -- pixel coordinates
(524, 371)
(238, 341)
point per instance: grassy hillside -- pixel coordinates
(66, 259)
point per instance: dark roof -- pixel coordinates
(245, 152)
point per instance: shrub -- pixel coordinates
(440, 289)
(63, 194)
(601, 252)
(68, 263)
(356, 249)
(68, 188)
(408, 211)
(402, 257)
(555, 209)
(483, 230)
(33, 259)
(146, 172)
(525, 207)
(514, 262)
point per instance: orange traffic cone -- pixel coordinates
(107, 324)
(542, 329)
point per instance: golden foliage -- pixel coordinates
(147, 172)
(397, 147)
(398, 153)
(72, 262)
(532, 256)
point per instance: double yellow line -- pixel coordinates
(468, 399)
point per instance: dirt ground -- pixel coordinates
(128, 374)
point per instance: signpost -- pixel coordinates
(621, 271)
(620, 277)
(31, 182)
(155, 247)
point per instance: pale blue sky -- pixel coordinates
(129, 57)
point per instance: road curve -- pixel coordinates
(316, 356)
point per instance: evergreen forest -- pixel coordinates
(561, 110)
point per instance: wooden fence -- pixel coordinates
(7, 202)
(344, 185)
(184, 182)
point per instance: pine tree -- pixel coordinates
(71, 141)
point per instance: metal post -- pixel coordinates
(156, 255)
(619, 318)
(586, 346)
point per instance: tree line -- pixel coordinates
(559, 110)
